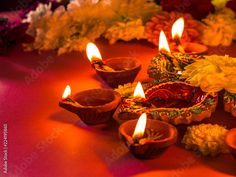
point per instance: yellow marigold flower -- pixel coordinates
(207, 139)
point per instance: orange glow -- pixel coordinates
(92, 51)
(138, 92)
(140, 126)
(177, 28)
(163, 44)
(67, 92)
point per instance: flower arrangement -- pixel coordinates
(84, 22)
(212, 74)
(219, 28)
(207, 139)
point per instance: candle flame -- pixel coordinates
(140, 126)
(177, 28)
(163, 44)
(67, 92)
(138, 92)
(92, 51)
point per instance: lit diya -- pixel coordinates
(173, 102)
(147, 138)
(138, 102)
(167, 66)
(187, 47)
(95, 106)
(114, 71)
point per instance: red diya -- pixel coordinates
(173, 102)
(230, 140)
(187, 47)
(147, 138)
(114, 71)
(95, 106)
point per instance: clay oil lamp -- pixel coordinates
(147, 138)
(162, 66)
(231, 141)
(133, 106)
(180, 103)
(168, 66)
(173, 102)
(95, 106)
(114, 71)
(187, 47)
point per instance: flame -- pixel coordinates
(140, 126)
(179, 72)
(163, 44)
(92, 51)
(177, 28)
(67, 92)
(138, 92)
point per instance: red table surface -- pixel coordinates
(47, 141)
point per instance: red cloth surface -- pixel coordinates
(47, 141)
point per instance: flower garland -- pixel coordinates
(70, 29)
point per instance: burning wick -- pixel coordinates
(177, 31)
(66, 94)
(95, 57)
(140, 128)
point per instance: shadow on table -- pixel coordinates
(70, 118)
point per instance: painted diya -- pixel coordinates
(173, 102)
(230, 103)
(165, 68)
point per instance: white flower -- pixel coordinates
(35, 15)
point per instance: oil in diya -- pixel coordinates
(186, 47)
(94, 106)
(147, 138)
(114, 71)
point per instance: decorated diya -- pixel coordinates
(147, 138)
(174, 102)
(230, 103)
(95, 106)
(114, 71)
(167, 66)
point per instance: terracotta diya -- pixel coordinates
(173, 102)
(231, 141)
(187, 47)
(114, 71)
(95, 106)
(147, 138)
